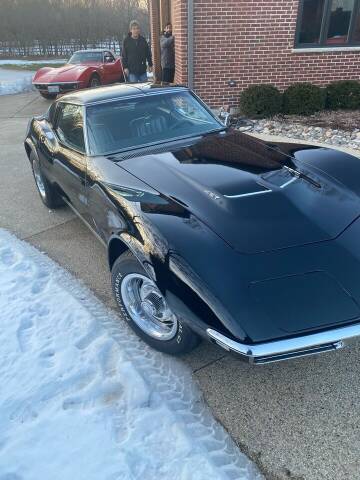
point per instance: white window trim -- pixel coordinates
(325, 49)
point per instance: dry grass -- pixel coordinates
(29, 66)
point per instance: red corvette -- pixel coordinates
(86, 68)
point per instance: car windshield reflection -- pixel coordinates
(86, 57)
(136, 122)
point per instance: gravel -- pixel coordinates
(323, 134)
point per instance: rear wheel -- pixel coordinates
(48, 96)
(146, 310)
(47, 192)
(95, 81)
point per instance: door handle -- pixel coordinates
(42, 138)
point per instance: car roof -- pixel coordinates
(114, 92)
(92, 50)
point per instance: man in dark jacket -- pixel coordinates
(135, 53)
(167, 44)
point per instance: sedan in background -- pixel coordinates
(86, 68)
(209, 232)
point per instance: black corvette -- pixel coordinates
(209, 232)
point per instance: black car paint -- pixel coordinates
(211, 256)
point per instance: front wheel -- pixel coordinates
(47, 192)
(145, 309)
(95, 81)
(48, 96)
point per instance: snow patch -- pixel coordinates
(12, 81)
(30, 62)
(82, 397)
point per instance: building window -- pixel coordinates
(328, 23)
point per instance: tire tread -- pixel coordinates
(185, 340)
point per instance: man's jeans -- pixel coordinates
(133, 78)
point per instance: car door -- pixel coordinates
(69, 160)
(111, 68)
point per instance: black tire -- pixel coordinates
(183, 341)
(48, 194)
(94, 81)
(48, 96)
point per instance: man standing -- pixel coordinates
(135, 53)
(167, 44)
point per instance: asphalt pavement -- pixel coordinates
(297, 420)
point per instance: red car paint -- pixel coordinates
(72, 76)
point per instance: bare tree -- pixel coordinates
(57, 27)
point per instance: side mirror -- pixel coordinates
(239, 123)
(49, 140)
(224, 115)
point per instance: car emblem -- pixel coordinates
(212, 195)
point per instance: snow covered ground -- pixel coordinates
(29, 62)
(82, 398)
(15, 81)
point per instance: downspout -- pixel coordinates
(190, 29)
(155, 38)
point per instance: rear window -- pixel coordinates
(140, 121)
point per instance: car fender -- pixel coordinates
(87, 74)
(33, 130)
(30, 147)
(41, 72)
(159, 248)
(122, 242)
(166, 239)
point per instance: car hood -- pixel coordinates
(66, 73)
(246, 191)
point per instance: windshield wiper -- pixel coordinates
(151, 145)
(303, 176)
(217, 130)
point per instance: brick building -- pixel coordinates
(223, 46)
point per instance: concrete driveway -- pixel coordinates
(297, 420)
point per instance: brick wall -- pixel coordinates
(179, 21)
(251, 41)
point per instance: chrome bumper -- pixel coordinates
(63, 86)
(55, 83)
(278, 350)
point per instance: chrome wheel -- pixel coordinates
(39, 179)
(95, 82)
(147, 307)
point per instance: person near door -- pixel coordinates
(167, 45)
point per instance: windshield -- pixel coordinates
(139, 121)
(86, 57)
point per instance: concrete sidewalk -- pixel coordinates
(297, 420)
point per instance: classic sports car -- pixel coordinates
(86, 68)
(209, 232)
